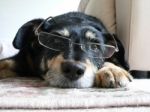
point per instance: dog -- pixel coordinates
(72, 50)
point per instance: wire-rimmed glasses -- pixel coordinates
(61, 43)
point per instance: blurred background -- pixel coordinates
(14, 13)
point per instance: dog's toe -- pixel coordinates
(112, 76)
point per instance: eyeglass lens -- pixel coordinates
(53, 42)
(59, 43)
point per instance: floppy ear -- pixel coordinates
(109, 38)
(26, 33)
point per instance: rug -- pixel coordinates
(35, 94)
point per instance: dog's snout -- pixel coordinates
(73, 71)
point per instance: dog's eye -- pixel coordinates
(94, 47)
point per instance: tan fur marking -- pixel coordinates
(55, 63)
(90, 35)
(5, 68)
(7, 73)
(64, 32)
(7, 64)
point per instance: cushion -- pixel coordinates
(133, 21)
(6, 49)
(104, 10)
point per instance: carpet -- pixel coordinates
(32, 94)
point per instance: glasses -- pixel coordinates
(61, 43)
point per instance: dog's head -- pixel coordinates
(66, 50)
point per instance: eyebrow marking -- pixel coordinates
(64, 32)
(90, 35)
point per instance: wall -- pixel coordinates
(14, 13)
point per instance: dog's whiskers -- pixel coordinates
(63, 82)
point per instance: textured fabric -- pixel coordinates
(122, 109)
(24, 93)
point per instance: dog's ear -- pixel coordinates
(108, 37)
(26, 33)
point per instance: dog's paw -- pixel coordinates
(7, 73)
(6, 64)
(112, 76)
(5, 68)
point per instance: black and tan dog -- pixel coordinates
(70, 50)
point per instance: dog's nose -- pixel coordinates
(73, 71)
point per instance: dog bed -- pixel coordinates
(32, 94)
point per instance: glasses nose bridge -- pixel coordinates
(76, 45)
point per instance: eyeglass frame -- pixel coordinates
(49, 18)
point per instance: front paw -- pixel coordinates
(112, 76)
(5, 68)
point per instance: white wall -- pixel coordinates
(14, 13)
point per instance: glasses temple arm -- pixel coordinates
(116, 49)
(36, 30)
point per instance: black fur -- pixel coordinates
(28, 59)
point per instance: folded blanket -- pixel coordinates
(33, 93)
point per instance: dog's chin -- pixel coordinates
(59, 80)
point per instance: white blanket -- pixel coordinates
(25, 93)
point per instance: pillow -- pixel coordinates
(104, 10)
(6, 49)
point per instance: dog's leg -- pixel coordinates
(6, 68)
(112, 76)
